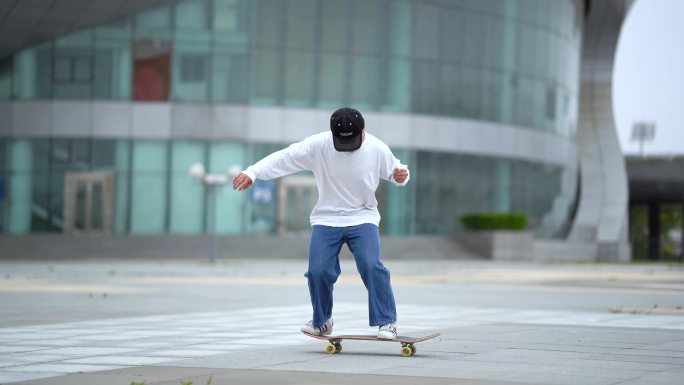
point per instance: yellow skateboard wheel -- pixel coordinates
(406, 351)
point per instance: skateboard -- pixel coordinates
(408, 348)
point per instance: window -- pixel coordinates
(266, 77)
(4, 144)
(112, 62)
(186, 195)
(426, 31)
(148, 190)
(335, 34)
(5, 79)
(72, 65)
(155, 23)
(365, 87)
(299, 78)
(192, 15)
(229, 71)
(550, 102)
(190, 81)
(301, 17)
(33, 72)
(451, 101)
(396, 87)
(227, 15)
(333, 84)
(193, 68)
(223, 155)
(268, 31)
(367, 22)
(74, 69)
(427, 87)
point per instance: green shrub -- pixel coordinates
(494, 221)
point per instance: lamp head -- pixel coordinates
(197, 171)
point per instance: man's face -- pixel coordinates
(363, 139)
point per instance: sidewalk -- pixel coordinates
(172, 321)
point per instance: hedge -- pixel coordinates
(494, 221)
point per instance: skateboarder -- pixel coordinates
(348, 164)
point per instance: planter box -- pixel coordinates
(500, 245)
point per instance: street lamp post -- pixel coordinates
(643, 132)
(212, 185)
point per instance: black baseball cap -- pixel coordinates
(347, 126)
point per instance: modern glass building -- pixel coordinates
(480, 98)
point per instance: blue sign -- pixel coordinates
(263, 192)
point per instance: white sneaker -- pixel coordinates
(323, 330)
(388, 332)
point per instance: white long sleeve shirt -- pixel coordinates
(346, 181)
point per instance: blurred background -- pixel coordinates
(496, 106)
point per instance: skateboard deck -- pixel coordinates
(407, 343)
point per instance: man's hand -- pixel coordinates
(241, 182)
(400, 174)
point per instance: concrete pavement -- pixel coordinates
(163, 322)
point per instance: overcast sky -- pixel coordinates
(649, 76)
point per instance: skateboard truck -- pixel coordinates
(335, 346)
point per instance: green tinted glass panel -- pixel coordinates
(148, 193)
(266, 78)
(19, 186)
(335, 35)
(33, 73)
(155, 23)
(187, 194)
(268, 29)
(112, 62)
(299, 79)
(121, 202)
(230, 68)
(229, 203)
(365, 82)
(5, 79)
(231, 17)
(4, 150)
(399, 37)
(367, 26)
(301, 24)
(192, 15)
(190, 71)
(333, 89)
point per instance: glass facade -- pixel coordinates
(155, 195)
(513, 62)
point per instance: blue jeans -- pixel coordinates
(324, 268)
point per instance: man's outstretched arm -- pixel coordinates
(280, 163)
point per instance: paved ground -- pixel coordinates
(107, 322)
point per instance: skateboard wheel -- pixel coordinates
(338, 348)
(413, 350)
(331, 349)
(406, 351)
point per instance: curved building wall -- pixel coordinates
(602, 215)
(479, 98)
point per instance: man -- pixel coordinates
(348, 164)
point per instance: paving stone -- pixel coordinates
(492, 332)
